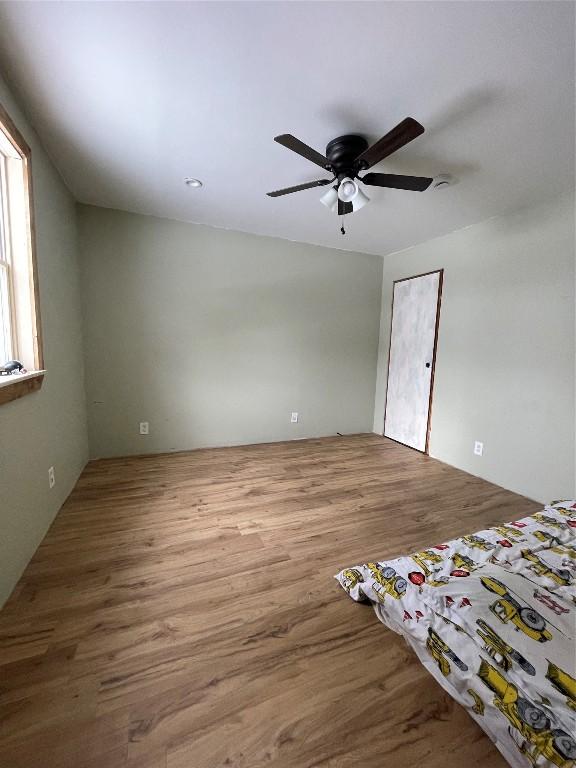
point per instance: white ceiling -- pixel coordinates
(130, 98)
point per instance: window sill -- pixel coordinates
(15, 386)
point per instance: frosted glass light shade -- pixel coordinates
(330, 198)
(347, 190)
(360, 200)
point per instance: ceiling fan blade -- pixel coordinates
(291, 142)
(404, 132)
(344, 208)
(298, 188)
(393, 181)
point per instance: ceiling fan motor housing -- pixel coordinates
(342, 153)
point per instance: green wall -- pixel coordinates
(47, 428)
(214, 337)
(505, 360)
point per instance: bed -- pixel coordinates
(492, 616)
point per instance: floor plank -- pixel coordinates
(181, 611)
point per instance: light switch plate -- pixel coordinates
(478, 448)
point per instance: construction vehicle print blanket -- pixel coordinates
(492, 616)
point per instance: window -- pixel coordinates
(20, 337)
(6, 301)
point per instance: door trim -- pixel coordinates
(439, 272)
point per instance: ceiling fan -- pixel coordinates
(349, 155)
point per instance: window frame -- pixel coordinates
(32, 381)
(5, 262)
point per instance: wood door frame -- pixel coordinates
(439, 272)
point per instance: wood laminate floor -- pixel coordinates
(181, 613)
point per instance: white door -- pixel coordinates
(415, 307)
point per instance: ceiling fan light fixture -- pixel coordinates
(345, 156)
(360, 200)
(348, 190)
(330, 199)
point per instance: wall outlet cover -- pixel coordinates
(51, 477)
(478, 448)
(144, 428)
(294, 417)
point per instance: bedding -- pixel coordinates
(492, 616)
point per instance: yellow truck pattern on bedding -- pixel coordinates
(492, 616)
(386, 582)
(503, 654)
(507, 608)
(508, 531)
(538, 738)
(564, 683)
(442, 653)
(561, 576)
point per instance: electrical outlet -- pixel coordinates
(478, 448)
(144, 428)
(294, 417)
(51, 477)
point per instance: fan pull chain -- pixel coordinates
(342, 227)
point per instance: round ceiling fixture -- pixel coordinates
(194, 183)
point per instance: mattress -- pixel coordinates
(492, 616)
